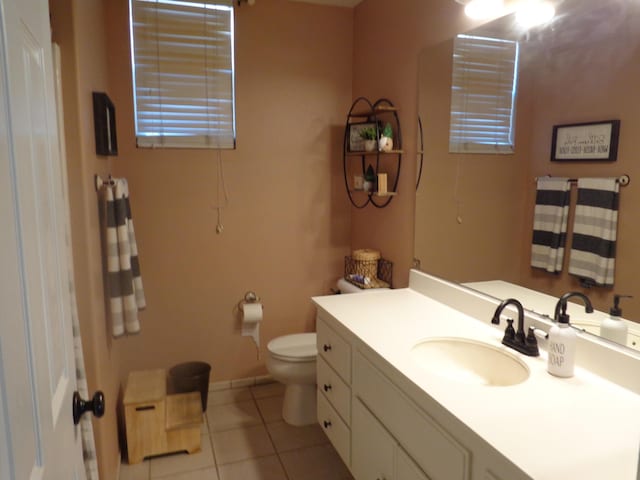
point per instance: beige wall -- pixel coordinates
(578, 90)
(286, 227)
(469, 206)
(288, 222)
(78, 27)
(387, 44)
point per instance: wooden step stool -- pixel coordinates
(157, 423)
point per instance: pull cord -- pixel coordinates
(221, 187)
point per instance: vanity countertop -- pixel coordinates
(582, 427)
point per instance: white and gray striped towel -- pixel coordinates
(126, 295)
(550, 223)
(593, 248)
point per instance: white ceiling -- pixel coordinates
(339, 3)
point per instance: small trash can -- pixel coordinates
(190, 377)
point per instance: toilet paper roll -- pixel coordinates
(251, 318)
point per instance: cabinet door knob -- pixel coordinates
(327, 424)
(326, 347)
(327, 387)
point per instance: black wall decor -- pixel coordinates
(586, 142)
(104, 121)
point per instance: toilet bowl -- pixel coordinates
(292, 361)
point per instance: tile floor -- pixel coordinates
(245, 438)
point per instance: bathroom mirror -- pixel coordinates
(474, 211)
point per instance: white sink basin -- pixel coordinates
(469, 361)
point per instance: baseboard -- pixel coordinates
(240, 383)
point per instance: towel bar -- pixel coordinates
(623, 180)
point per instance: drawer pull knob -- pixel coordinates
(327, 424)
(326, 347)
(327, 387)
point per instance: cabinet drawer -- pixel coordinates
(432, 448)
(334, 350)
(335, 390)
(335, 428)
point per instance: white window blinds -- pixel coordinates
(183, 73)
(483, 95)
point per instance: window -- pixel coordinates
(483, 95)
(183, 73)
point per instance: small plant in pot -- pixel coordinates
(368, 134)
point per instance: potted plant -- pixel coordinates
(368, 134)
(385, 144)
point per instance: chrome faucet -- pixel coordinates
(560, 313)
(516, 339)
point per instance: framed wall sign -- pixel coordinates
(593, 141)
(356, 142)
(104, 122)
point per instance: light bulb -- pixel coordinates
(534, 12)
(482, 9)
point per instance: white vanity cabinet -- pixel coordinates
(394, 415)
(376, 454)
(383, 434)
(334, 388)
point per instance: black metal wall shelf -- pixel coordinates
(363, 111)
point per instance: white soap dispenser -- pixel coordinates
(613, 327)
(562, 347)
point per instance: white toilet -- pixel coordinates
(292, 361)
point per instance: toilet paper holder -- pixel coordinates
(249, 297)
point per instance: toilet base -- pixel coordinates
(299, 405)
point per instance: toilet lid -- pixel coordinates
(299, 346)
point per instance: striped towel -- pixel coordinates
(593, 248)
(550, 223)
(126, 295)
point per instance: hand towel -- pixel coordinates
(126, 295)
(550, 223)
(593, 248)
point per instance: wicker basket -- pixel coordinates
(380, 279)
(366, 263)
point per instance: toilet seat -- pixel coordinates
(299, 347)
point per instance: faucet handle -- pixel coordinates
(531, 343)
(509, 332)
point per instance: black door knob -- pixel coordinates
(326, 347)
(80, 406)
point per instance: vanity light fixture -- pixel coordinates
(482, 9)
(531, 13)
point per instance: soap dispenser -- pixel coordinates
(562, 347)
(613, 327)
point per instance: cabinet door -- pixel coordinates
(406, 469)
(372, 448)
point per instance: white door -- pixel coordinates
(37, 372)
